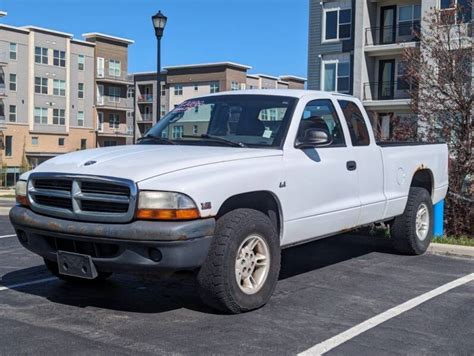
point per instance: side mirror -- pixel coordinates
(315, 138)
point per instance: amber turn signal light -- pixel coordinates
(168, 214)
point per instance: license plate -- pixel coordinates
(76, 265)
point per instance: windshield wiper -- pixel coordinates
(217, 139)
(156, 139)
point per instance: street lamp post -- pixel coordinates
(159, 23)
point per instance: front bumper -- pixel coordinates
(139, 246)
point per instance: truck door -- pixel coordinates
(321, 195)
(368, 158)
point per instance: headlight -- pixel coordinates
(21, 193)
(166, 206)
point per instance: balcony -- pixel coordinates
(390, 40)
(390, 94)
(145, 99)
(114, 103)
(106, 77)
(147, 117)
(3, 91)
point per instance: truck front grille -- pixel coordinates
(86, 198)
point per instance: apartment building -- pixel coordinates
(113, 89)
(355, 47)
(180, 83)
(46, 96)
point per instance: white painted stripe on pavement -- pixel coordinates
(5, 236)
(341, 338)
(24, 284)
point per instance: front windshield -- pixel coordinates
(231, 120)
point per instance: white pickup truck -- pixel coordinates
(220, 185)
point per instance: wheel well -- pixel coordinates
(263, 201)
(423, 178)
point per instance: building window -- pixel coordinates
(177, 132)
(80, 118)
(178, 90)
(338, 24)
(114, 68)
(12, 82)
(336, 76)
(402, 82)
(41, 85)
(41, 116)
(130, 92)
(114, 121)
(61, 141)
(12, 116)
(83, 143)
(163, 90)
(195, 129)
(100, 121)
(80, 90)
(81, 61)
(13, 51)
(108, 143)
(59, 117)
(114, 94)
(408, 19)
(214, 87)
(196, 88)
(59, 87)
(35, 140)
(163, 110)
(41, 55)
(447, 4)
(59, 58)
(234, 85)
(8, 146)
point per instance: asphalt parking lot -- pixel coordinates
(326, 287)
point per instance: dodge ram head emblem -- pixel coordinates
(90, 163)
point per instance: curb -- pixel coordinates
(451, 250)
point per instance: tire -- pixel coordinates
(218, 283)
(53, 268)
(404, 234)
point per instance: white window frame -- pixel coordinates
(336, 62)
(323, 32)
(81, 62)
(34, 140)
(41, 86)
(59, 117)
(61, 58)
(114, 94)
(43, 58)
(115, 68)
(214, 87)
(178, 90)
(80, 118)
(234, 85)
(100, 121)
(12, 113)
(114, 121)
(42, 117)
(13, 53)
(12, 83)
(455, 4)
(59, 87)
(80, 92)
(177, 131)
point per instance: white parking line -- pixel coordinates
(341, 338)
(5, 236)
(24, 284)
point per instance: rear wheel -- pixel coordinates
(54, 269)
(412, 232)
(242, 267)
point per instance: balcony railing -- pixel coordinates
(145, 98)
(146, 117)
(3, 91)
(401, 33)
(116, 102)
(392, 90)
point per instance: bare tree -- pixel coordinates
(440, 74)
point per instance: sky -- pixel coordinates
(269, 35)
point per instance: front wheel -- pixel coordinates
(241, 270)
(412, 232)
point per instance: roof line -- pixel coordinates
(293, 77)
(211, 64)
(36, 28)
(110, 37)
(14, 28)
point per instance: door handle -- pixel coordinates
(351, 165)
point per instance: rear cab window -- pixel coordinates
(355, 122)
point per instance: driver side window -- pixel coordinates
(321, 114)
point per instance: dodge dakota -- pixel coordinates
(220, 185)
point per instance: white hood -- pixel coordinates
(139, 162)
